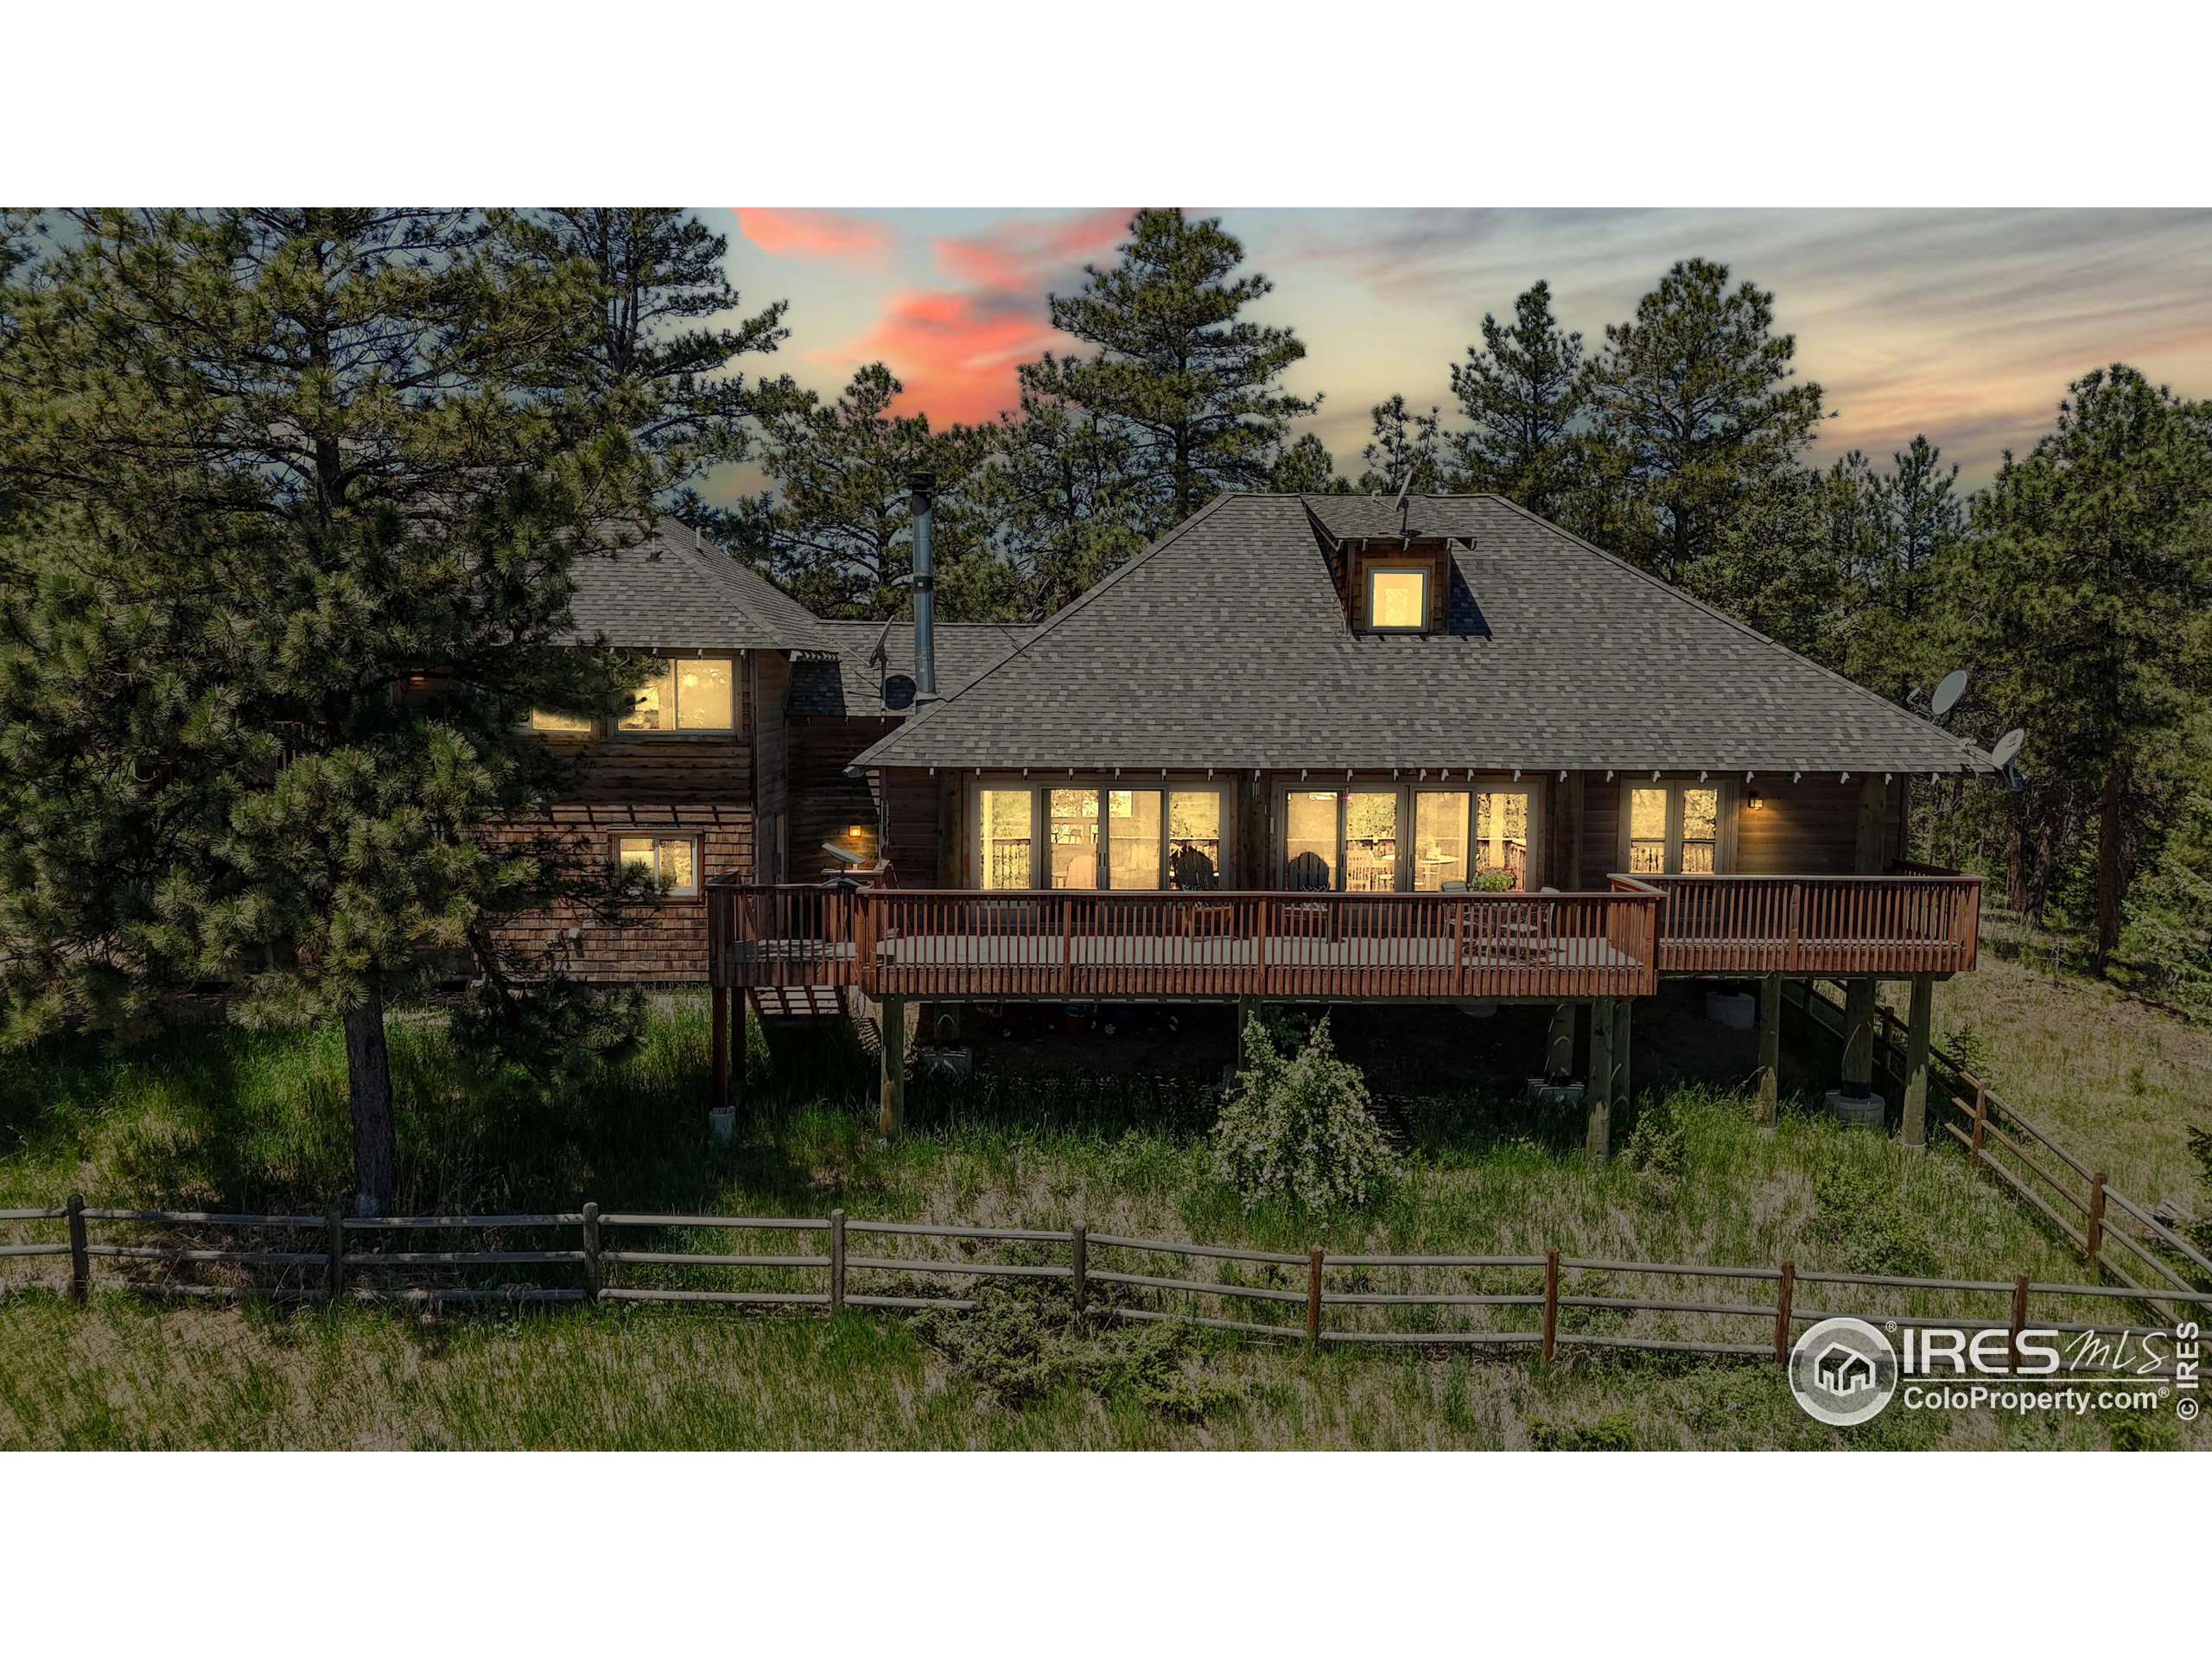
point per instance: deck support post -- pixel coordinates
(1559, 1045)
(1598, 1089)
(1918, 1021)
(1248, 1010)
(1859, 1036)
(739, 1040)
(1769, 1049)
(891, 1114)
(719, 1091)
(1623, 1007)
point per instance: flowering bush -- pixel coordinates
(1298, 1129)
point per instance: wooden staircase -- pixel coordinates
(798, 1002)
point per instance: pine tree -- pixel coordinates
(1524, 393)
(1191, 385)
(1307, 467)
(1693, 408)
(304, 488)
(2086, 595)
(1060, 501)
(838, 526)
(1406, 442)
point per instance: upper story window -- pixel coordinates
(671, 860)
(1398, 600)
(690, 693)
(542, 721)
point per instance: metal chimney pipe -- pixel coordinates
(923, 485)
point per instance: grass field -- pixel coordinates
(219, 1118)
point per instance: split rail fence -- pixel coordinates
(1545, 1302)
(2117, 1236)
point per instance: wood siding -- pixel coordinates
(825, 800)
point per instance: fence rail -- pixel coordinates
(2115, 1235)
(1545, 1301)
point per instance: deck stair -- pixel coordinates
(798, 1002)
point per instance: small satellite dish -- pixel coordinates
(1949, 690)
(899, 692)
(845, 855)
(2008, 747)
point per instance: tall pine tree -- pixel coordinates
(304, 488)
(1178, 374)
(1524, 393)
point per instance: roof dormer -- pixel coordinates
(1396, 582)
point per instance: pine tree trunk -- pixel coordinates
(2108, 870)
(2015, 869)
(368, 1085)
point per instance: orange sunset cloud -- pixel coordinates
(814, 233)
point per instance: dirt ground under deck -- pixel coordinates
(1403, 1049)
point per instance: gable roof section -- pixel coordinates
(676, 591)
(853, 687)
(1224, 645)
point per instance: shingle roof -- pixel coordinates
(674, 590)
(855, 686)
(1224, 645)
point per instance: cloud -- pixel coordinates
(1023, 256)
(816, 233)
(956, 349)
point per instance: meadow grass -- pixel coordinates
(221, 1118)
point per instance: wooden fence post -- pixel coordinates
(1079, 1239)
(334, 1245)
(591, 1252)
(1981, 1119)
(1770, 1048)
(837, 1261)
(2019, 1321)
(2096, 1234)
(80, 1260)
(1787, 1295)
(1551, 1304)
(1313, 1298)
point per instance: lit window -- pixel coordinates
(1502, 835)
(1674, 829)
(1194, 841)
(540, 720)
(1006, 839)
(1310, 842)
(1397, 601)
(1132, 838)
(1440, 839)
(672, 860)
(690, 694)
(1074, 828)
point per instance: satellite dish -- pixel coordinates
(899, 692)
(1949, 690)
(844, 855)
(2008, 747)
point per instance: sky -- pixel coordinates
(1964, 324)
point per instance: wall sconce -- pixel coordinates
(1755, 802)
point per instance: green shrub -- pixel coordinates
(1614, 1431)
(1297, 1129)
(1863, 1225)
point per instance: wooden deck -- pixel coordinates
(1088, 946)
(1918, 920)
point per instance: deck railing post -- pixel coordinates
(837, 1261)
(591, 1252)
(1313, 1298)
(1981, 1121)
(1551, 1304)
(80, 1259)
(1079, 1256)
(333, 1246)
(1784, 1296)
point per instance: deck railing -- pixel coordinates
(1920, 920)
(1084, 945)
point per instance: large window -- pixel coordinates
(1673, 829)
(690, 693)
(1099, 835)
(674, 859)
(1379, 840)
(1397, 601)
(543, 720)
(1007, 834)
